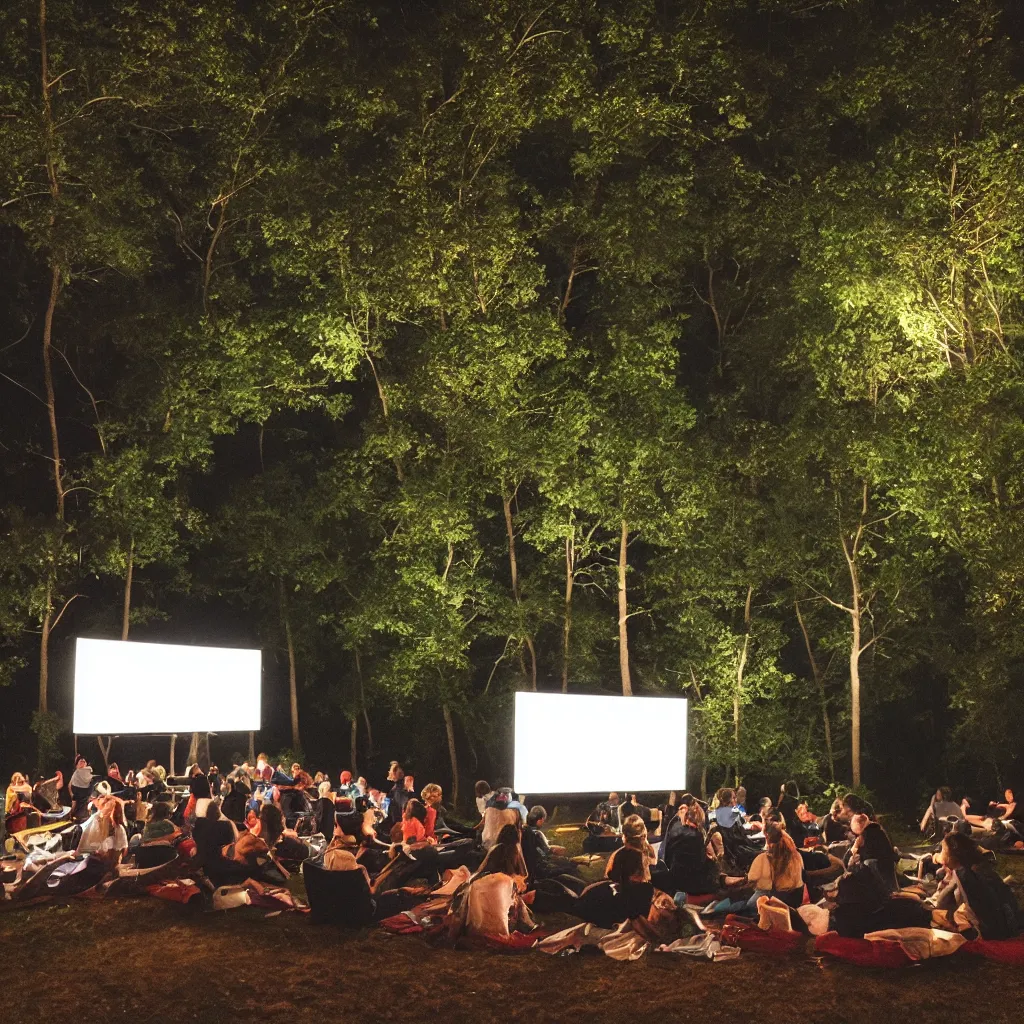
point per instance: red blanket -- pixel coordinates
(742, 932)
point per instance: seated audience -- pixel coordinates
(834, 825)
(727, 813)
(941, 808)
(497, 815)
(482, 792)
(158, 823)
(981, 899)
(324, 810)
(741, 800)
(491, 902)
(543, 860)
(634, 834)
(788, 807)
(685, 864)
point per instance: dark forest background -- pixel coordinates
(445, 349)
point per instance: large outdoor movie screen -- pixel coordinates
(576, 743)
(127, 687)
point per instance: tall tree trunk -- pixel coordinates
(506, 504)
(851, 551)
(738, 692)
(193, 751)
(855, 652)
(353, 746)
(203, 752)
(252, 748)
(570, 575)
(362, 703)
(820, 683)
(449, 726)
(127, 606)
(44, 651)
(627, 683)
(105, 750)
(51, 401)
(55, 270)
(170, 766)
(293, 690)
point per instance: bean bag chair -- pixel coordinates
(338, 897)
(154, 855)
(862, 952)
(1005, 951)
(177, 890)
(743, 932)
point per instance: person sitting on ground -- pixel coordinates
(685, 864)
(872, 846)
(517, 803)
(46, 794)
(398, 795)
(325, 810)
(634, 834)
(834, 826)
(543, 860)
(763, 814)
(212, 832)
(345, 784)
(497, 815)
(605, 816)
(668, 812)
(159, 826)
(741, 800)
(491, 903)
(980, 899)
(19, 811)
(789, 802)
(727, 813)
(941, 808)
(625, 892)
(778, 871)
(414, 831)
(854, 804)
(80, 786)
(995, 811)
(482, 793)
(431, 796)
(104, 832)
(236, 799)
(629, 806)
(255, 848)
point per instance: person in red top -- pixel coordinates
(431, 795)
(413, 828)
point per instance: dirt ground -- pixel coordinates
(145, 961)
(142, 960)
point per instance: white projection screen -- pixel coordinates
(126, 687)
(574, 743)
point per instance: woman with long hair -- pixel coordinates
(779, 871)
(491, 902)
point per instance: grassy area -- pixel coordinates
(145, 961)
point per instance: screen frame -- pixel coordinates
(677, 733)
(243, 677)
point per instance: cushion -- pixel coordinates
(743, 932)
(861, 951)
(1006, 951)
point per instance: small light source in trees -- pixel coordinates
(126, 687)
(578, 743)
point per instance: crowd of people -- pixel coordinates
(368, 853)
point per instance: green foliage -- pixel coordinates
(376, 323)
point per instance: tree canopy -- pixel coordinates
(448, 349)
